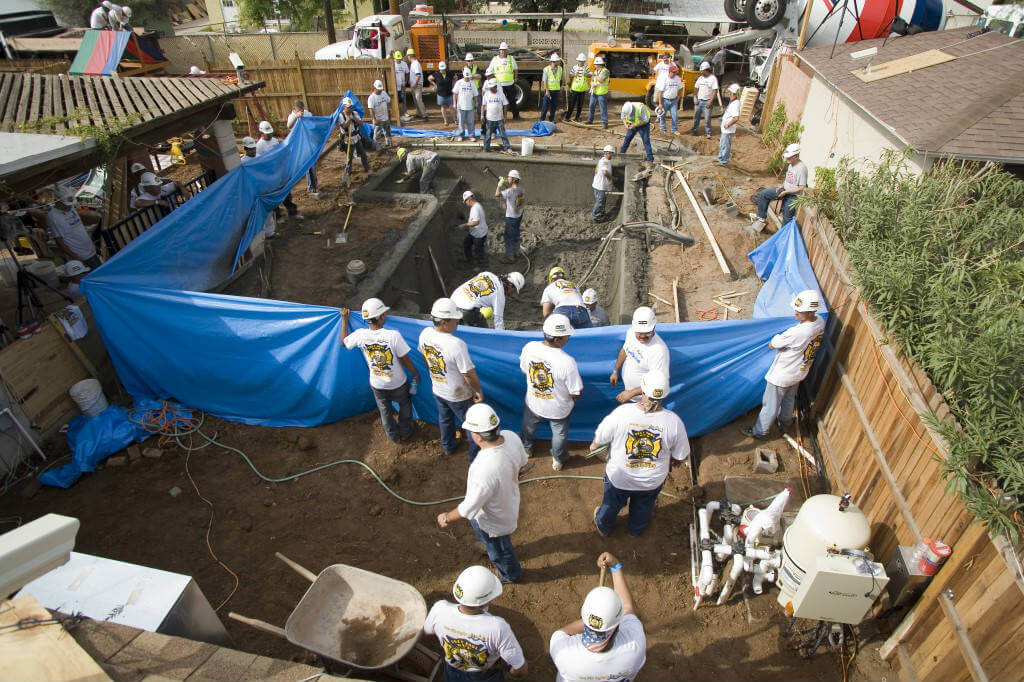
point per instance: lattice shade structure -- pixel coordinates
(696, 11)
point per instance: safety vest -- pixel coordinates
(553, 78)
(579, 79)
(638, 114)
(503, 71)
(601, 81)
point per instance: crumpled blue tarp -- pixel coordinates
(783, 263)
(538, 129)
(93, 439)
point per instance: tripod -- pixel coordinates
(27, 284)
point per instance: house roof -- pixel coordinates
(970, 107)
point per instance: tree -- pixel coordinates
(151, 14)
(298, 13)
(542, 6)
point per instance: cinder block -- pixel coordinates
(766, 461)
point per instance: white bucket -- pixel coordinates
(527, 148)
(88, 395)
(44, 270)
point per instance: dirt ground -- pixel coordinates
(341, 515)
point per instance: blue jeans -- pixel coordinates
(599, 197)
(549, 103)
(671, 107)
(496, 128)
(501, 553)
(384, 397)
(450, 415)
(602, 101)
(495, 674)
(725, 148)
(770, 194)
(702, 107)
(428, 173)
(559, 433)
(776, 406)
(466, 124)
(578, 315)
(645, 134)
(512, 226)
(641, 507)
(311, 180)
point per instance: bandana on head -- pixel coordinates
(594, 640)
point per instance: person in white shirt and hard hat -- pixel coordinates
(491, 504)
(474, 641)
(119, 17)
(704, 98)
(510, 190)
(598, 317)
(74, 272)
(636, 117)
(266, 143)
(378, 103)
(467, 103)
(669, 92)
(154, 189)
(603, 182)
(298, 111)
(643, 351)
(482, 297)
(579, 83)
(562, 296)
(401, 81)
(551, 87)
(452, 373)
(248, 150)
(416, 83)
(474, 244)
(599, 91)
(98, 20)
(387, 357)
(608, 642)
(644, 441)
(249, 155)
(66, 227)
(793, 185)
(350, 136)
(505, 73)
(423, 162)
(494, 103)
(728, 126)
(795, 350)
(553, 385)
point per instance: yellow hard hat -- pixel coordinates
(410, 51)
(557, 270)
(487, 312)
(401, 152)
(398, 54)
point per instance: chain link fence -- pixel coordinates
(210, 51)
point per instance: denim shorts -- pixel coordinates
(443, 101)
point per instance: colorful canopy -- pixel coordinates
(101, 52)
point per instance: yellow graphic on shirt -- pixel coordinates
(541, 379)
(481, 286)
(565, 286)
(435, 364)
(642, 448)
(810, 352)
(464, 654)
(380, 357)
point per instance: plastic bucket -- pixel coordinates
(527, 148)
(44, 270)
(88, 395)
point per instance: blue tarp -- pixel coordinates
(93, 439)
(538, 129)
(280, 364)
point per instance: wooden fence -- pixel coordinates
(320, 84)
(35, 65)
(876, 445)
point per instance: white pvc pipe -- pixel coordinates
(734, 574)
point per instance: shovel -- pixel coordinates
(341, 237)
(346, 176)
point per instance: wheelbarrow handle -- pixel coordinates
(301, 570)
(258, 624)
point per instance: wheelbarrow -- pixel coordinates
(359, 619)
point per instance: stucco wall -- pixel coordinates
(793, 87)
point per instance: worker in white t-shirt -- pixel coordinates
(387, 356)
(248, 155)
(66, 227)
(466, 95)
(401, 81)
(474, 641)
(644, 440)
(153, 190)
(416, 83)
(265, 144)
(475, 242)
(553, 385)
(452, 373)
(704, 98)
(379, 105)
(794, 349)
(482, 297)
(119, 17)
(562, 296)
(493, 102)
(729, 120)
(793, 186)
(668, 95)
(642, 352)
(298, 111)
(607, 643)
(422, 162)
(491, 504)
(510, 189)
(98, 18)
(602, 182)
(598, 316)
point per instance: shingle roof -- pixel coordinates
(970, 107)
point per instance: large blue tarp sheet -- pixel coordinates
(538, 129)
(279, 363)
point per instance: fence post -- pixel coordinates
(209, 48)
(273, 50)
(302, 80)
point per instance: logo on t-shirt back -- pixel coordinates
(565, 286)
(541, 379)
(464, 654)
(381, 357)
(435, 363)
(810, 352)
(642, 448)
(481, 286)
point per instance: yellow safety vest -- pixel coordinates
(553, 78)
(636, 115)
(503, 71)
(579, 80)
(601, 82)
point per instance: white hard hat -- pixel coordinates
(467, 72)
(734, 88)
(378, 85)
(442, 66)
(467, 195)
(469, 57)
(481, 418)
(138, 168)
(373, 308)
(248, 142)
(195, 71)
(705, 66)
(599, 59)
(602, 609)
(65, 195)
(644, 320)
(557, 324)
(346, 101)
(491, 83)
(503, 46)
(266, 127)
(807, 301)
(581, 57)
(654, 384)
(126, 10)
(517, 280)
(75, 267)
(514, 174)
(791, 151)
(476, 586)
(150, 180)
(554, 57)
(590, 297)
(445, 309)
(609, 148)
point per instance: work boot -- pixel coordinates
(750, 434)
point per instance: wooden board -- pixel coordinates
(921, 60)
(44, 652)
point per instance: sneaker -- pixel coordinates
(709, 136)
(750, 434)
(599, 531)
(753, 217)
(458, 139)
(315, 195)
(758, 225)
(555, 464)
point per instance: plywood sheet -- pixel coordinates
(921, 60)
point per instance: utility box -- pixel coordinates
(839, 588)
(907, 581)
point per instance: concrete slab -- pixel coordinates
(225, 665)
